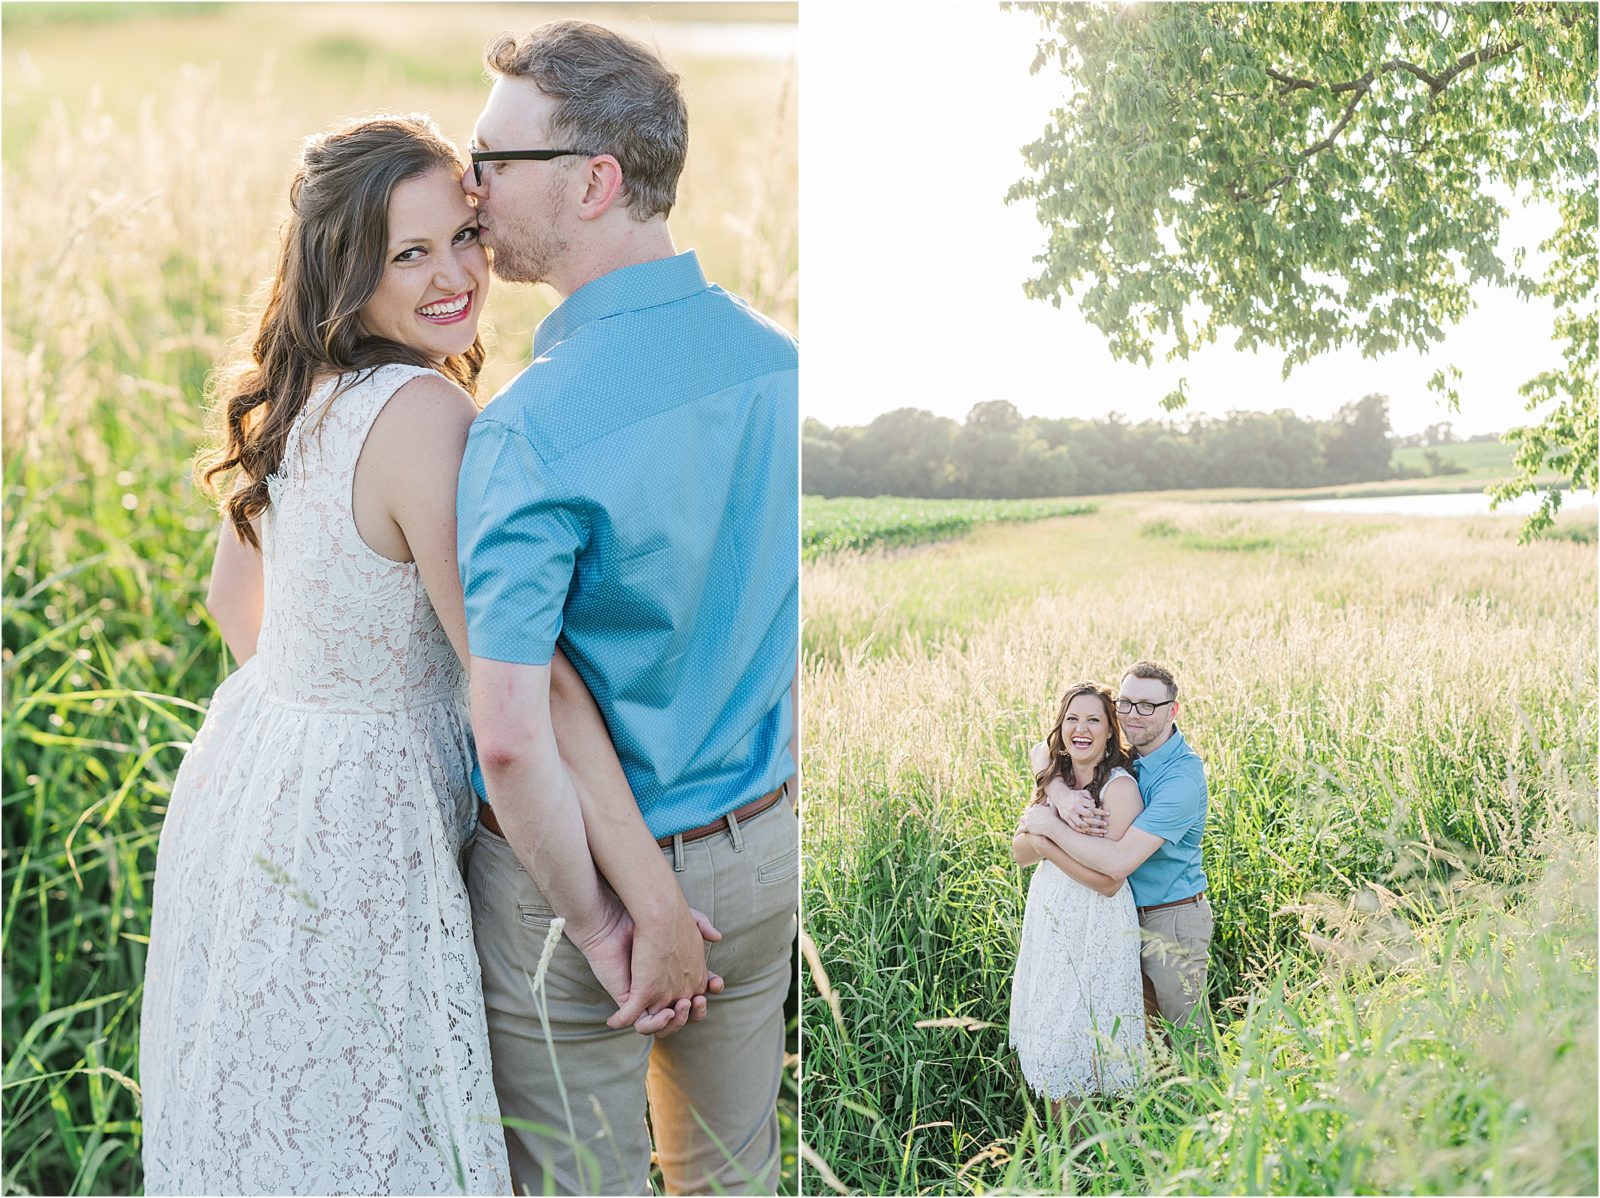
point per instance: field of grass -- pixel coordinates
(851, 524)
(1397, 719)
(146, 154)
(1478, 459)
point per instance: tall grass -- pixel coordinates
(140, 209)
(1398, 724)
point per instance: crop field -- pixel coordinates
(1397, 718)
(146, 157)
(843, 524)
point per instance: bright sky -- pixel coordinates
(912, 124)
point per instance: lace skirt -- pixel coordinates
(313, 1018)
(1077, 1001)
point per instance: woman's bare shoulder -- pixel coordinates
(432, 399)
(427, 416)
(1122, 786)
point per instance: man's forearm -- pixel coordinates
(1110, 857)
(1104, 856)
(620, 843)
(623, 849)
(539, 812)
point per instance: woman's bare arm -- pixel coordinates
(1023, 851)
(404, 495)
(235, 595)
(1122, 805)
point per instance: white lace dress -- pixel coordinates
(313, 1017)
(1077, 1001)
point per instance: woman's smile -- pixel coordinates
(451, 310)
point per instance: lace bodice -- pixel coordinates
(343, 627)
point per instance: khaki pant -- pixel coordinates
(713, 1087)
(1175, 948)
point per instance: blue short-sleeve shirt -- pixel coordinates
(1172, 783)
(632, 497)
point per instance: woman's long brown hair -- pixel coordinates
(1060, 763)
(334, 251)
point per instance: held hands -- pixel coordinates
(1076, 808)
(658, 981)
(670, 980)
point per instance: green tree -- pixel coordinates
(908, 452)
(822, 457)
(1317, 175)
(1270, 449)
(1355, 444)
(989, 449)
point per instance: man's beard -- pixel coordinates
(1138, 740)
(529, 250)
(530, 258)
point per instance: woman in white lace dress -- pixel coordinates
(313, 1017)
(1077, 1007)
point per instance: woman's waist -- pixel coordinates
(333, 694)
(339, 677)
(1056, 880)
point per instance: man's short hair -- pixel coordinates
(1158, 673)
(615, 96)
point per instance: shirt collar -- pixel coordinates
(1174, 747)
(627, 289)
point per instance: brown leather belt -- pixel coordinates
(740, 814)
(1193, 898)
(487, 819)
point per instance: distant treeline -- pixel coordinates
(998, 453)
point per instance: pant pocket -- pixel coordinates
(782, 868)
(535, 915)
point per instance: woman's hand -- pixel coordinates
(612, 953)
(1075, 808)
(1037, 818)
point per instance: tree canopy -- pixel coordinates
(1317, 175)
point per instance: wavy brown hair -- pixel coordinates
(1060, 763)
(333, 255)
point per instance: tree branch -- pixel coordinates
(1363, 85)
(1289, 82)
(1436, 83)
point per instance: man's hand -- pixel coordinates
(614, 951)
(669, 975)
(1076, 808)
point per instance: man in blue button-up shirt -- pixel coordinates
(631, 500)
(1160, 854)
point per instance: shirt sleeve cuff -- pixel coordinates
(519, 652)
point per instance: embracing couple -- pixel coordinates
(1118, 796)
(606, 559)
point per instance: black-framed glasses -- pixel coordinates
(1124, 706)
(479, 157)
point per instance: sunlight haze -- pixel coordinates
(914, 264)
